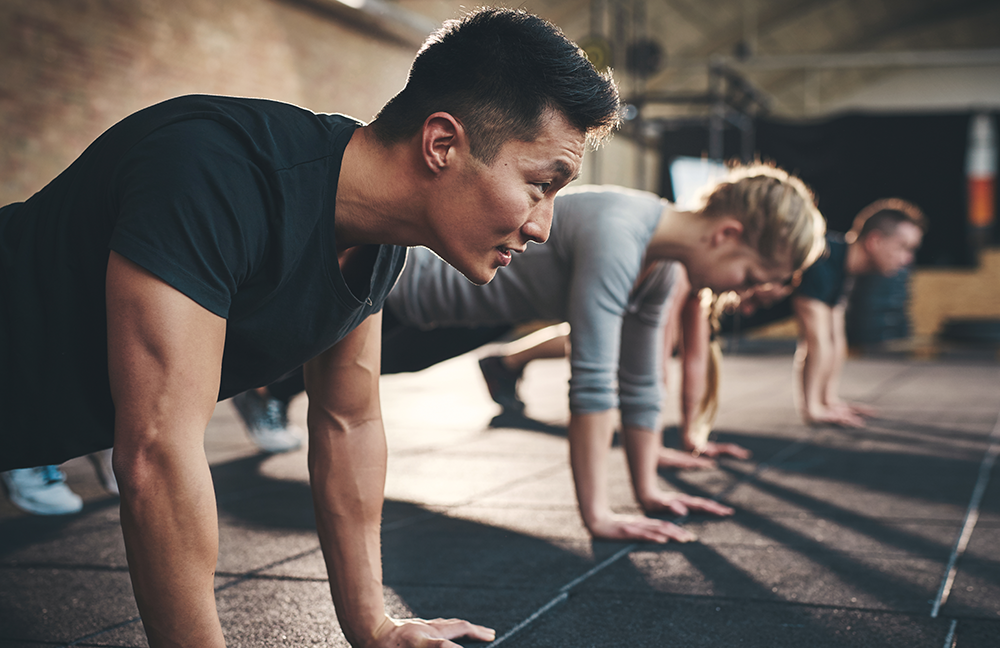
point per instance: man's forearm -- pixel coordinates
(348, 499)
(810, 367)
(170, 526)
(838, 356)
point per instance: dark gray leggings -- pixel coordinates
(406, 348)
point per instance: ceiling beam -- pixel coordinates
(384, 18)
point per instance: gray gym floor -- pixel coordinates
(841, 537)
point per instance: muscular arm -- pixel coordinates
(347, 460)
(164, 361)
(816, 362)
(347, 457)
(838, 337)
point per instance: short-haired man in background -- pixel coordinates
(883, 239)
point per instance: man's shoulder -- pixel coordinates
(264, 126)
(823, 279)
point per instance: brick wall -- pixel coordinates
(71, 69)
(942, 294)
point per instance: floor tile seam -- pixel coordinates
(70, 567)
(467, 587)
(84, 640)
(604, 592)
(847, 553)
(246, 577)
(970, 520)
(884, 519)
(563, 593)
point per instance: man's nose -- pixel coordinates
(539, 222)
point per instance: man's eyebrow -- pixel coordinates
(562, 169)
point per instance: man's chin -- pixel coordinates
(480, 277)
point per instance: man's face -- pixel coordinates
(483, 213)
(892, 252)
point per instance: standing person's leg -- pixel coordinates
(265, 413)
(406, 348)
(502, 372)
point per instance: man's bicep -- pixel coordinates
(164, 351)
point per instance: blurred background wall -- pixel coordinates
(69, 69)
(861, 98)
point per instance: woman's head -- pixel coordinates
(776, 211)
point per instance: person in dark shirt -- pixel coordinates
(882, 240)
(208, 245)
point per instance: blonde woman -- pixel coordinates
(607, 270)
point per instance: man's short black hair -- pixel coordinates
(498, 71)
(884, 216)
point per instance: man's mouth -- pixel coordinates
(505, 254)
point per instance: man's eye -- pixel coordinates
(544, 186)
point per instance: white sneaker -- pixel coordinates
(41, 490)
(102, 464)
(266, 420)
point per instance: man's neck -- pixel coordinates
(856, 262)
(377, 198)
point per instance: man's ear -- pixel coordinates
(872, 243)
(439, 138)
(726, 229)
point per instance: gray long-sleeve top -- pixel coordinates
(586, 274)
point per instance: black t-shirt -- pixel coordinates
(230, 201)
(827, 279)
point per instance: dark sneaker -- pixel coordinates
(266, 420)
(502, 383)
